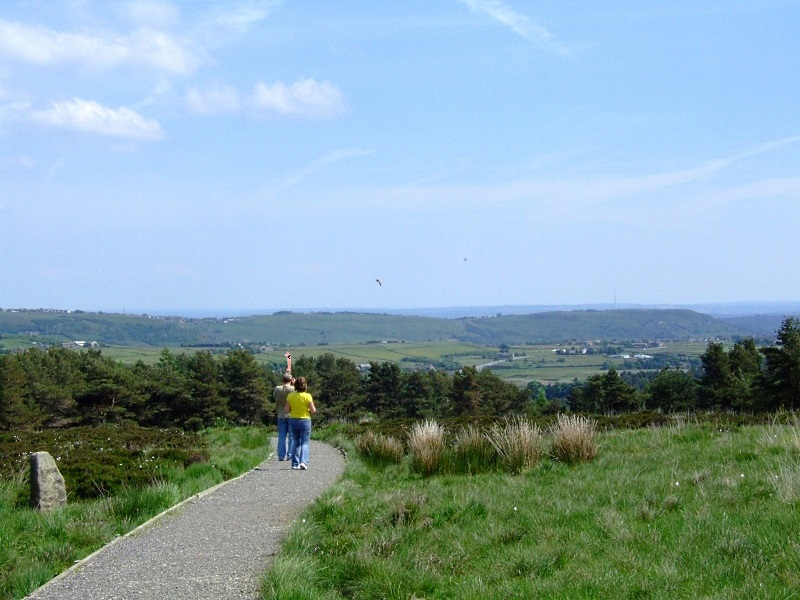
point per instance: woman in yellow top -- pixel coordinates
(300, 407)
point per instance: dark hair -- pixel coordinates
(300, 384)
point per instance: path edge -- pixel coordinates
(151, 521)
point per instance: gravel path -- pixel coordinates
(217, 545)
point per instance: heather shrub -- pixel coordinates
(518, 444)
(104, 461)
(426, 447)
(574, 439)
(379, 448)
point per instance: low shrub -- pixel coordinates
(102, 461)
(574, 439)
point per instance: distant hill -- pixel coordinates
(757, 325)
(629, 324)
(350, 327)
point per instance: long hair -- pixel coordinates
(300, 384)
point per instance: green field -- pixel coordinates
(531, 362)
(692, 510)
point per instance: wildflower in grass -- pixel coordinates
(574, 439)
(518, 443)
(426, 447)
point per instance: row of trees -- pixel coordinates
(743, 379)
(59, 388)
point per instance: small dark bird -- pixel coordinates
(379, 282)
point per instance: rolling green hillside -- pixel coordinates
(579, 325)
(341, 328)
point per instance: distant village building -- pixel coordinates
(80, 344)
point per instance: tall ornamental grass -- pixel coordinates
(378, 448)
(574, 439)
(472, 452)
(426, 444)
(518, 444)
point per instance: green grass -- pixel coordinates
(34, 546)
(687, 511)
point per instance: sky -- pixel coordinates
(289, 155)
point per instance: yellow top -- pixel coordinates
(299, 403)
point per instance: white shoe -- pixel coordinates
(303, 466)
(295, 467)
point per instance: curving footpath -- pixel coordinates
(216, 545)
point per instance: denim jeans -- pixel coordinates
(301, 435)
(284, 438)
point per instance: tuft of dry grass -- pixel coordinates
(426, 447)
(518, 443)
(472, 452)
(379, 448)
(574, 439)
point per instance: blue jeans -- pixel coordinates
(284, 438)
(301, 436)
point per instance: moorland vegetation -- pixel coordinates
(698, 508)
(459, 484)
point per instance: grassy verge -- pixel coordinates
(686, 511)
(34, 547)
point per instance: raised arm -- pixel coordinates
(288, 363)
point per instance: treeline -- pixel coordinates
(64, 388)
(61, 388)
(744, 379)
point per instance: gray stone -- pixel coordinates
(47, 484)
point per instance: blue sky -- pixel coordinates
(245, 154)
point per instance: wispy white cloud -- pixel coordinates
(520, 24)
(227, 20)
(214, 100)
(696, 189)
(18, 162)
(152, 13)
(305, 98)
(241, 16)
(91, 117)
(323, 163)
(145, 47)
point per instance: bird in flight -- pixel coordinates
(379, 282)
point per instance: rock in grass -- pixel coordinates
(47, 484)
